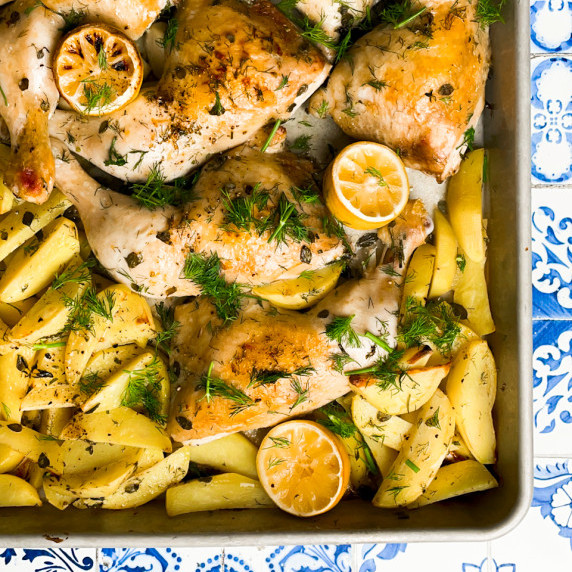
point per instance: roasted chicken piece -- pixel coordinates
(233, 67)
(269, 364)
(28, 35)
(256, 211)
(416, 89)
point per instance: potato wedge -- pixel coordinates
(145, 486)
(26, 219)
(49, 314)
(17, 492)
(85, 456)
(121, 426)
(471, 293)
(149, 457)
(410, 391)
(383, 455)
(36, 263)
(445, 256)
(418, 277)
(35, 446)
(15, 367)
(390, 430)
(6, 198)
(465, 204)
(422, 455)
(11, 313)
(456, 479)
(458, 450)
(55, 419)
(471, 387)
(55, 494)
(234, 454)
(226, 491)
(9, 459)
(301, 292)
(105, 363)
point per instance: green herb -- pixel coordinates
(420, 45)
(489, 11)
(378, 85)
(170, 326)
(72, 19)
(316, 34)
(156, 193)
(343, 46)
(168, 40)
(301, 143)
(205, 272)
(48, 345)
(114, 157)
(433, 421)
(390, 271)
(83, 307)
(31, 8)
(102, 59)
(468, 140)
(241, 211)
(216, 387)
(376, 173)
(275, 461)
(283, 83)
(341, 331)
(285, 221)
(302, 392)
(461, 262)
(279, 442)
(399, 14)
(339, 361)
(97, 95)
(287, 7)
(412, 466)
(322, 109)
(308, 195)
(387, 370)
(6, 410)
(91, 383)
(260, 377)
(3, 96)
(394, 491)
(32, 247)
(382, 343)
(144, 390)
(217, 108)
(271, 136)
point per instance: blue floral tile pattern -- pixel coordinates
(48, 560)
(551, 115)
(551, 26)
(310, 558)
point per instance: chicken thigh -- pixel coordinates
(28, 94)
(416, 89)
(233, 67)
(269, 364)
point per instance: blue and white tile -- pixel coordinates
(550, 26)
(453, 557)
(162, 560)
(542, 542)
(551, 117)
(552, 252)
(48, 560)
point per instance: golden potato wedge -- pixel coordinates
(383, 455)
(471, 293)
(454, 480)
(418, 277)
(301, 292)
(149, 457)
(9, 459)
(121, 426)
(409, 392)
(145, 486)
(105, 363)
(11, 313)
(445, 256)
(35, 446)
(15, 368)
(37, 262)
(226, 491)
(465, 204)
(55, 494)
(17, 492)
(234, 454)
(458, 450)
(420, 458)
(6, 198)
(49, 314)
(26, 219)
(85, 456)
(471, 387)
(55, 419)
(390, 430)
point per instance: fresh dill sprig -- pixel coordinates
(143, 390)
(283, 83)
(315, 33)
(279, 442)
(309, 195)
(156, 193)
(216, 387)
(400, 13)
(77, 275)
(170, 326)
(264, 147)
(205, 272)
(217, 109)
(378, 85)
(302, 392)
(301, 143)
(376, 174)
(433, 421)
(168, 40)
(287, 7)
(468, 141)
(91, 383)
(241, 212)
(286, 221)
(386, 370)
(461, 262)
(84, 307)
(341, 331)
(102, 58)
(72, 19)
(322, 109)
(340, 360)
(489, 11)
(113, 156)
(260, 377)
(97, 95)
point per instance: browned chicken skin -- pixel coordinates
(416, 89)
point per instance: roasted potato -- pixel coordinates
(445, 256)
(418, 277)
(17, 492)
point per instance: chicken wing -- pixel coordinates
(28, 95)
(147, 249)
(233, 67)
(270, 365)
(417, 88)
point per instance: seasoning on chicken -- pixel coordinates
(416, 88)
(269, 364)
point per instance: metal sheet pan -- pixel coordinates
(481, 516)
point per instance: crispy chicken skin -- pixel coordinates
(28, 35)
(117, 226)
(416, 89)
(265, 341)
(223, 81)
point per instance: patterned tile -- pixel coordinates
(551, 253)
(550, 26)
(542, 541)
(162, 560)
(48, 560)
(551, 117)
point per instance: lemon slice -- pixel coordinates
(303, 467)
(97, 69)
(366, 186)
(301, 292)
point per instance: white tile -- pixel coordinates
(160, 560)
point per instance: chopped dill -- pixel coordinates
(302, 392)
(83, 307)
(390, 271)
(260, 377)
(309, 195)
(394, 491)
(286, 221)
(468, 141)
(168, 40)
(275, 461)
(461, 262)
(72, 19)
(78, 275)
(91, 383)
(217, 108)
(279, 442)
(386, 370)
(156, 193)
(316, 34)
(301, 143)
(102, 59)
(433, 421)
(378, 85)
(143, 390)
(322, 109)
(400, 13)
(97, 95)
(275, 128)
(341, 331)
(164, 339)
(241, 211)
(376, 173)
(114, 157)
(489, 11)
(340, 360)
(287, 7)
(283, 83)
